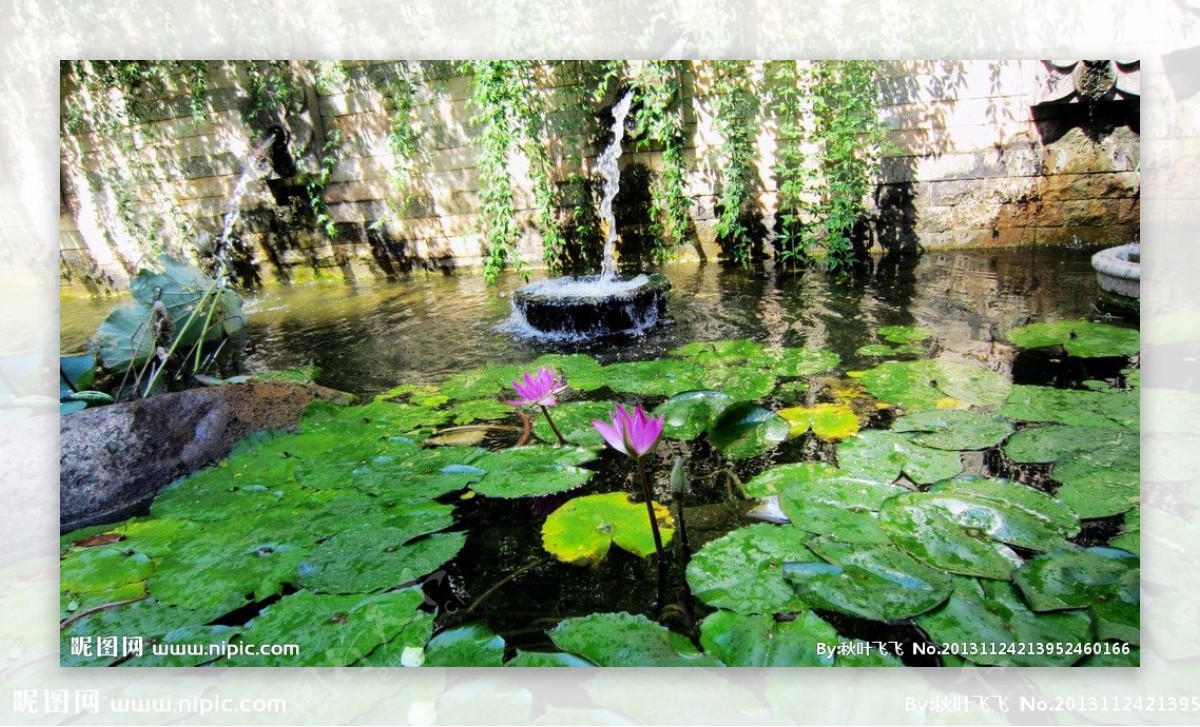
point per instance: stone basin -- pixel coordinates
(573, 308)
(1119, 270)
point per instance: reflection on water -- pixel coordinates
(371, 337)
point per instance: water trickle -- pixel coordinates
(254, 166)
(612, 184)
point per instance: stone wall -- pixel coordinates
(967, 164)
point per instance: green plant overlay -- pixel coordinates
(336, 535)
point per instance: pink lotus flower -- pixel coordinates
(632, 434)
(540, 388)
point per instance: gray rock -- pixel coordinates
(114, 459)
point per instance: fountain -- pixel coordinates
(1118, 273)
(595, 306)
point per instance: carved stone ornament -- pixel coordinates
(1089, 82)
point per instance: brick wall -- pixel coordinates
(967, 165)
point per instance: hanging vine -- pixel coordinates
(796, 173)
(510, 113)
(659, 119)
(734, 107)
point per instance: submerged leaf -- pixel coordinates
(581, 531)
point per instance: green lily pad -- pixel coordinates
(479, 410)
(662, 377)
(574, 420)
(793, 362)
(742, 571)
(547, 659)
(420, 395)
(838, 506)
(580, 371)
(332, 630)
(740, 382)
(746, 354)
(954, 429)
(990, 619)
(1073, 406)
(532, 471)
(622, 639)
(472, 644)
(714, 353)
(876, 582)
(372, 559)
(147, 619)
(1005, 511)
(103, 569)
(1097, 492)
(1079, 338)
(687, 415)
(831, 422)
(745, 430)
(918, 385)
(582, 530)
(972, 384)
(929, 533)
(759, 640)
(483, 383)
(904, 334)
(883, 456)
(1098, 446)
(1130, 537)
(1078, 578)
(797, 474)
(877, 349)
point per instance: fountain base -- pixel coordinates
(589, 307)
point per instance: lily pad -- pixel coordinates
(715, 353)
(1079, 338)
(793, 362)
(883, 456)
(661, 377)
(468, 645)
(1130, 537)
(482, 383)
(929, 533)
(838, 506)
(103, 569)
(745, 430)
(972, 384)
(797, 474)
(372, 559)
(741, 382)
(1078, 578)
(532, 471)
(876, 582)
(918, 385)
(574, 420)
(831, 422)
(954, 429)
(147, 619)
(581, 531)
(474, 410)
(1098, 446)
(547, 659)
(622, 639)
(1073, 406)
(333, 630)
(580, 371)
(877, 349)
(759, 640)
(1094, 492)
(1005, 511)
(990, 619)
(742, 571)
(687, 415)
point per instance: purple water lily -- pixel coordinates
(632, 434)
(540, 389)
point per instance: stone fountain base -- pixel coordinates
(1119, 274)
(588, 307)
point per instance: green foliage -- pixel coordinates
(658, 89)
(315, 183)
(581, 531)
(622, 639)
(1080, 338)
(742, 571)
(735, 107)
(510, 111)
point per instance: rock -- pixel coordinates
(114, 459)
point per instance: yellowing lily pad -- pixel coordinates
(831, 422)
(581, 531)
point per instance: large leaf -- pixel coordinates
(831, 422)
(972, 384)
(745, 430)
(990, 621)
(336, 630)
(468, 645)
(720, 353)
(483, 383)
(372, 559)
(793, 362)
(797, 474)
(741, 382)
(622, 639)
(954, 429)
(1099, 446)
(687, 415)
(904, 334)
(147, 619)
(930, 533)
(582, 530)
(125, 337)
(1079, 338)
(1093, 491)
(103, 569)
(918, 385)
(662, 377)
(743, 570)
(79, 371)
(875, 582)
(532, 471)
(1073, 406)
(747, 354)
(839, 506)
(580, 371)
(1005, 511)
(882, 456)
(760, 640)
(1077, 578)
(574, 420)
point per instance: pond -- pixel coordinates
(871, 460)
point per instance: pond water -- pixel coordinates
(428, 329)
(370, 338)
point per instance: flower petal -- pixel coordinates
(612, 435)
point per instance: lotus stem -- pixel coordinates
(648, 495)
(553, 426)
